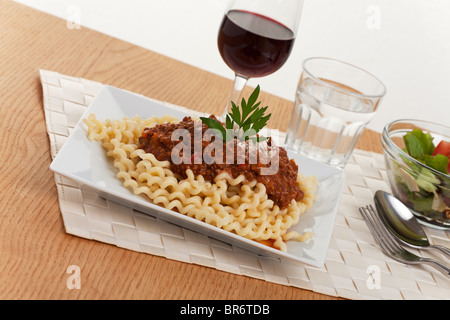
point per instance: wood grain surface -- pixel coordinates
(35, 251)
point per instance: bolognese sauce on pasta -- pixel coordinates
(281, 186)
(234, 196)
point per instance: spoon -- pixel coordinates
(401, 222)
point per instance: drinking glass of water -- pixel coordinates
(334, 103)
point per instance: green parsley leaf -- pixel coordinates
(249, 118)
(214, 124)
(235, 114)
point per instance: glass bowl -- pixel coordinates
(423, 189)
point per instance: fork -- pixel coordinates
(390, 246)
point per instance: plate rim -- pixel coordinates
(235, 239)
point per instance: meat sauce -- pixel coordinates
(281, 184)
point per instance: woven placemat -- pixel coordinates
(355, 267)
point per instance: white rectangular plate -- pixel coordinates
(86, 163)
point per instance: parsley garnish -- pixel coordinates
(243, 123)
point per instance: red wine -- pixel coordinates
(253, 45)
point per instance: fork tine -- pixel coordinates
(384, 239)
(387, 235)
(374, 230)
(390, 247)
(385, 232)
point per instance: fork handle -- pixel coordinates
(442, 249)
(441, 267)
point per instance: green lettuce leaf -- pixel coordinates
(419, 145)
(439, 162)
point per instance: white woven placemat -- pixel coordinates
(355, 268)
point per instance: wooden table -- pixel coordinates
(35, 251)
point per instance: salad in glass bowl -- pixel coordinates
(417, 155)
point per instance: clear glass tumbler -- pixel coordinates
(334, 103)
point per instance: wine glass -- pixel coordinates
(256, 37)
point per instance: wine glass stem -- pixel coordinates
(236, 92)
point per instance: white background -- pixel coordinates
(405, 43)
